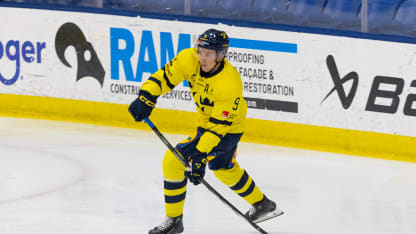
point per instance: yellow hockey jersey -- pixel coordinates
(218, 96)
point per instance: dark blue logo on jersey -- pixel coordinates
(16, 52)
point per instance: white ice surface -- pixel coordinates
(66, 178)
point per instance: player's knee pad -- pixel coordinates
(173, 169)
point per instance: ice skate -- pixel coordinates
(169, 226)
(263, 210)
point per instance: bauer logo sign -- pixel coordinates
(383, 87)
(346, 99)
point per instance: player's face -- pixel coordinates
(207, 58)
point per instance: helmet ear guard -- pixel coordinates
(221, 52)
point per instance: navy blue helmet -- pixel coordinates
(215, 40)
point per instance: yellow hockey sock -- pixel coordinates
(174, 185)
(241, 183)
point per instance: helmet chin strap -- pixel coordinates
(215, 67)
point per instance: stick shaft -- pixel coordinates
(204, 182)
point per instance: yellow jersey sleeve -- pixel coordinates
(170, 75)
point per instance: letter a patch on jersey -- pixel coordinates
(225, 114)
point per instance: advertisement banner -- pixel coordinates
(292, 77)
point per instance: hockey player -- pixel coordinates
(217, 91)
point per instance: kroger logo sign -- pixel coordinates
(18, 53)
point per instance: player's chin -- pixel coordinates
(205, 68)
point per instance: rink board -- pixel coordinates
(322, 92)
(386, 146)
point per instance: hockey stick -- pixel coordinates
(209, 187)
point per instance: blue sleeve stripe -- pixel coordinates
(170, 85)
(241, 182)
(217, 121)
(156, 81)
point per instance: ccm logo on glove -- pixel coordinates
(146, 101)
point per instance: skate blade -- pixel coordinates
(268, 216)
